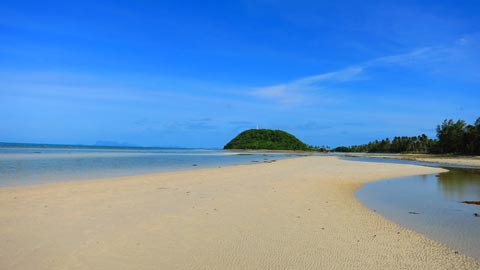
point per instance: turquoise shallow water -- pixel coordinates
(437, 198)
(38, 165)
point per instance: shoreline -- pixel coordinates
(294, 213)
(472, 162)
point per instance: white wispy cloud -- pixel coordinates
(404, 59)
(303, 89)
(294, 92)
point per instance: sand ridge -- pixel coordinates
(473, 161)
(291, 214)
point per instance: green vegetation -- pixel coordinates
(267, 139)
(458, 137)
(452, 138)
(416, 144)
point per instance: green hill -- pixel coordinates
(266, 139)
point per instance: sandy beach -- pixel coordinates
(470, 161)
(297, 213)
(452, 160)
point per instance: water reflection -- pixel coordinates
(460, 184)
(437, 198)
(424, 178)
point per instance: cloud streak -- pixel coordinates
(294, 92)
(304, 89)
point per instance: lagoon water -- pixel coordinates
(437, 199)
(38, 165)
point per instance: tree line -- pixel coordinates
(453, 137)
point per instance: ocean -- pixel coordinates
(31, 165)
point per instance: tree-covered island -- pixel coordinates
(267, 139)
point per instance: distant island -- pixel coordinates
(113, 144)
(82, 146)
(267, 139)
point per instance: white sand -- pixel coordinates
(292, 214)
(457, 160)
(472, 161)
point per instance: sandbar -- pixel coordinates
(469, 161)
(298, 213)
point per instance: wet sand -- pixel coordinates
(291, 214)
(453, 160)
(471, 161)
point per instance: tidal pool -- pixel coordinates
(431, 205)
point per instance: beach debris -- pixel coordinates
(413, 213)
(472, 202)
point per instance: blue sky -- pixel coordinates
(195, 73)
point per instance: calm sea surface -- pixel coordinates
(38, 165)
(437, 198)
